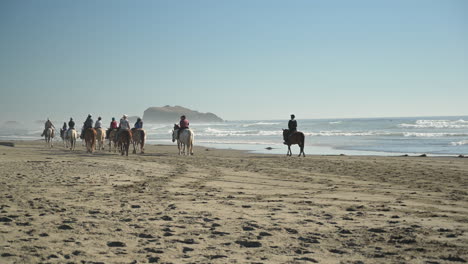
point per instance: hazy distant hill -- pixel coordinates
(172, 114)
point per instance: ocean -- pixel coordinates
(437, 136)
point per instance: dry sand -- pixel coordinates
(223, 206)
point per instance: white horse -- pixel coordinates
(185, 140)
(101, 138)
(71, 136)
(49, 135)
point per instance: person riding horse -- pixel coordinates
(292, 126)
(87, 124)
(124, 125)
(113, 125)
(98, 123)
(183, 124)
(48, 124)
(63, 130)
(138, 124)
(71, 124)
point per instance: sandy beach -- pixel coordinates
(226, 206)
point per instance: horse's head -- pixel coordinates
(285, 134)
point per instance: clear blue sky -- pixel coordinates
(260, 59)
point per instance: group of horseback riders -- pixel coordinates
(123, 124)
(89, 123)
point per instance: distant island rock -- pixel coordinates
(172, 114)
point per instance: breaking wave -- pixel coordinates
(460, 143)
(437, 124)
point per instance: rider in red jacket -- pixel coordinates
(183, 124)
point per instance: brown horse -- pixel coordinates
(113, 140)
(138, 140)
(123, 141)
(295, 138)
(90, 139)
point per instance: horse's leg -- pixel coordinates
(134, 146)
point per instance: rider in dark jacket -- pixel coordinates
(71, 124)
(87, 124)
(292, 127)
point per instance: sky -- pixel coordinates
(244, 59)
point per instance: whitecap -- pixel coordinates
(436, 124)
(459, 143)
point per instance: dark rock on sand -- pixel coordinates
(306, 259)
(249, 244)
(5, 219)
(153, 259)
(116, 244)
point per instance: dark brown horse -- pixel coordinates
(90, 139)
(294, 138)
(123, 141)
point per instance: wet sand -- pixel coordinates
(226, 206)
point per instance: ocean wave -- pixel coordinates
(459, 143)
(244, 142)
(416, 134)
(261, 124)
(436, 124)
(239, 133)
(335, 122)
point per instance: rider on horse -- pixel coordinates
(87, 124)
(138, 123)
(71, 124)
(48, 124)
(292, 126)
(113, 125)
(124, 125)
(183, 124)
(98, 123)
(63, 130)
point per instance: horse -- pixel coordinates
(71, 136)
(295, 138)
(49, 135)
(124, 139)
(185, 140)
(101, 137)
(113, 139)
(138, 140)
(90, 139)
(63, 135)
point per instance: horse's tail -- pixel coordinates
(190, 143)
(302, 144)
(143, 137)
